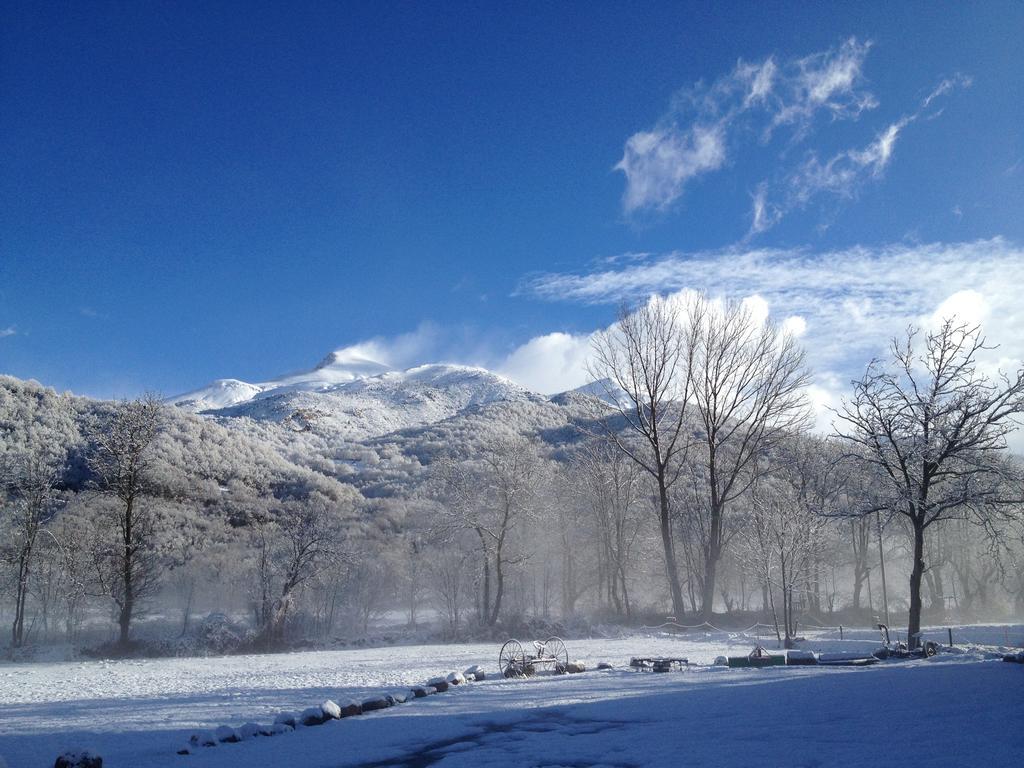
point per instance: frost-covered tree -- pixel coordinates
(932, 427)
(290, 543)
(128, 561)
(492, 496)
(748, 394)
(612, 489)
(37, 433)
(644, 361)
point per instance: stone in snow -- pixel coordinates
(250, 731)
(331, 710)
(312, 716)
(286, 718)
(203, 739)
(227, 735)
(79, 759)
(378, 702)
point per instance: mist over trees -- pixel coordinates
(692, 491)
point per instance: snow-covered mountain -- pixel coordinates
(222, 393)
(354, 398)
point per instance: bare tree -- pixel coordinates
(611, 488)
(291, 543)
(933, 428)
(748, 390)
(121, 462)
(492, 496)
(449, 581)
(644, 362)
(31, 492)
(781, 540)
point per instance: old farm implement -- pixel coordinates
(899, 649)
(514, 661)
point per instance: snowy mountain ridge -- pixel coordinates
(354, 397)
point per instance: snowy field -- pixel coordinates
(955, 710)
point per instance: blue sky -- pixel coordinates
(191, 192)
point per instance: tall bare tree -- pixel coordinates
(748, 392)
(933, 428)
(644, 362)
(120, 459)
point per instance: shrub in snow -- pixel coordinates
(378, 702)
(330, 710)
(286, 718)
(202, 739)
(79, 759)
(456, 678)
(249, 731)
(312, 716)
(219, 634)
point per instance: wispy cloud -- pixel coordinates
(844, 173)
(707, 125)
(8, 331)
(697, 133)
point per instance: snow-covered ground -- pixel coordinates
(955, 710)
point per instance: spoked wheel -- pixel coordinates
(512, 659)
(554, 648)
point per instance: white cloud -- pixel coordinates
(8, 331)
(967, 306)
(706, 125)
(658, 163)
(843, 174)
(827, 80)
(694, 136)
(552, 363)
(845, 305)
(795, 326)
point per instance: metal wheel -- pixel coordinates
(512, 659)
(554, 648)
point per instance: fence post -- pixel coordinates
(950, 631)
(840, 631)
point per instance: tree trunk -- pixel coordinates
(18, 629)
(916, 574)
(714, 553)
(499, 585)
(678, 609)
(485, 609)
(127, 573)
